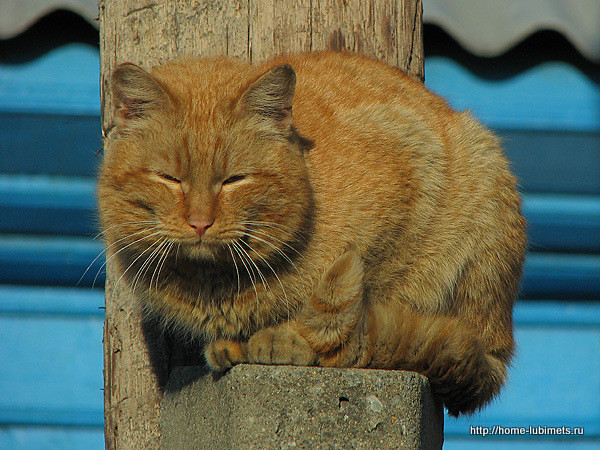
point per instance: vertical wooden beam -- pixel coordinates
(388, 30)
(277, 27)
(138, 356)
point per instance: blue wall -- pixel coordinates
(50, 317)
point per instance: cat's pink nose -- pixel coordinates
(200, 225)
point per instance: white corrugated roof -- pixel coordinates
(490, 27)
(18, 15)
(484, 27)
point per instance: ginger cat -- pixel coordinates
(322, 209)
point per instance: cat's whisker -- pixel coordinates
(166, 252)
(269, 224)
(276, 226)
(244, 259)
(240, 251)
(129, 236)
(274, 247)
(287, 302)
(134, 261)
(145, 267)
(263, 233)
(139, 222)
(92, 263)
(260, 274)
(236, 252)
(123, 248)
(104, 251)
(236, 268)
(160, 253)
(264, 281)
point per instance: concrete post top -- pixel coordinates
(256, 406)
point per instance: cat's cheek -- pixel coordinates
(171, 206)
(230, 206)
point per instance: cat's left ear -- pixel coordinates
(270, 97)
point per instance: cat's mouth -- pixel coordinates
(248, 244)
(207, 248)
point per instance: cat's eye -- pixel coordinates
(166, 176)
(233, 179)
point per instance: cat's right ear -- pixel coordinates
(270, 97)
(136, 94)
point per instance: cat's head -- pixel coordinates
(204, 160)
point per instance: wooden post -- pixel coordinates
(138, 356)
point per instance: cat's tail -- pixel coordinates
(446, 350)
(333, 321)
(346, 332)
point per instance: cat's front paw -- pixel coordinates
(223, 354)
(280, 345)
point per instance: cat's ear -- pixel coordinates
(270, 97)
(136, 94)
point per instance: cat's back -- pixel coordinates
(338, 82)
(349, 101)
(387, 147)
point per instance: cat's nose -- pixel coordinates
(200, 225)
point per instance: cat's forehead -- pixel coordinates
(204, 80)
(204, 91)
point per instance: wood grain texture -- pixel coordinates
(131, 394)
(387, 30)
(138, 355)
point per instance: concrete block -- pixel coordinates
(284, 407)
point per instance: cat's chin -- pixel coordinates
(203, 252)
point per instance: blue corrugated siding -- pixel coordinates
(64, 81)
(50, 331)
(50, 336)
(51, 438)
(551, 96)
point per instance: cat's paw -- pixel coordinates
(223, 354)
(280, 345)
